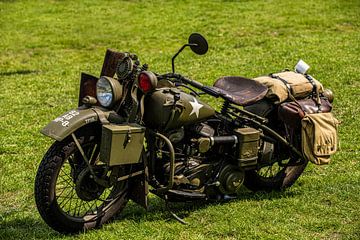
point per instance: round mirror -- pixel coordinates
(198, 43)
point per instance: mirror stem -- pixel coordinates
(180, 50)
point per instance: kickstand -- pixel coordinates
(172, 213)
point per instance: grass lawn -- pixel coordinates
(44, 45)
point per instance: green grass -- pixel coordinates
(44, 45)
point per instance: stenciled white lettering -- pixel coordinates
(64, 120)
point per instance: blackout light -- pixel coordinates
(147, 81)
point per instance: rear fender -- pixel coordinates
(69, 122)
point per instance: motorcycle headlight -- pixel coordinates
(108, 91)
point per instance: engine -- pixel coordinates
(210, 164)
(209, 158)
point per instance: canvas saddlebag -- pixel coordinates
(317, 124)
(319, 137)
(299, 85)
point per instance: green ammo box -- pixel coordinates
(121, 144)
(248, 146)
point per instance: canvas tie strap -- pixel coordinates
(315, 90)
(291, 96)
(283, 80)
(311, 80)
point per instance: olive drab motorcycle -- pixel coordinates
(137, 131)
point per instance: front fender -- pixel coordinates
(69, 122)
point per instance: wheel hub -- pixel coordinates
(86, 187)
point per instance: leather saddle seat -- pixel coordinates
(239, 90)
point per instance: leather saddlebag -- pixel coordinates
(291, 113)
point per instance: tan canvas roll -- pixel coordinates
(299, 85)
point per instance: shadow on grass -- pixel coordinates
(34, 228)
(26, 228)
(18, 72)
(157, 210)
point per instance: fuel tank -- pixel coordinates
(170, 108)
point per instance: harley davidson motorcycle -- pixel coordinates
(136, 131)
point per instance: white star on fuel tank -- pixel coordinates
(195, 107)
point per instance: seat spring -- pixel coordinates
(224, 108)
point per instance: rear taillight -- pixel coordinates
(147, 81)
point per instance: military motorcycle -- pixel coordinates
(137, 131)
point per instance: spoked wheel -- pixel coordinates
(273, 177)
(278, 173)
(67, 197)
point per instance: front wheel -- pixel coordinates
(67, 197)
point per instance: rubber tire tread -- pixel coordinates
(45, 197)
(285, 179)
(253, 181)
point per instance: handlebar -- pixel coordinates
(207, 89)
(193, 83)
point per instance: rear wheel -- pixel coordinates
(67, 197)
(273, 177)
(280, 171)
